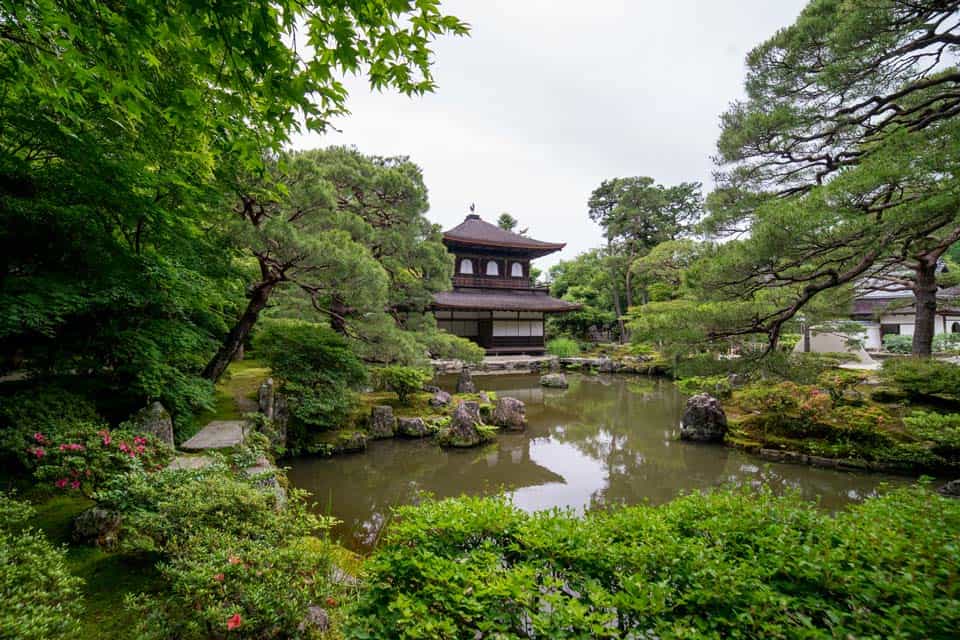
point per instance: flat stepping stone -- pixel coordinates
(189, 462)
(219, 434)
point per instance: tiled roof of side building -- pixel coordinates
(475, 230)
(501, 301)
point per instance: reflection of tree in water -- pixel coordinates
(622, 434)
(363, 488)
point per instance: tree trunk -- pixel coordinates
(238, 334)
(925, 295)
(628, 282)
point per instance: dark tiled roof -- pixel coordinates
(475, 231)
(501, 301)
(947, 302)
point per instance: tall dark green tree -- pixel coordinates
(842, 161)
(115, 118)
(637, 214)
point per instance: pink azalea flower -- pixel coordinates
(61, 483)
(234, 621)
(219, 577)
(106, 439)
(233, 560)
(75, 484)
(39, 452)
(38, 437)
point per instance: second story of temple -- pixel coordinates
(489, 257)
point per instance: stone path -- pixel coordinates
(219, 434)
(189, 462)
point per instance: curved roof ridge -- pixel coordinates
(475, 230)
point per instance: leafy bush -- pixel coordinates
(718, 386)
(942, 430)
(224, 586)
(40, 599)
(446, 346)
(47, 410)
(401, 380)
(801, 368)
(563, 347)
(923, 376)
(840, 383)
(86, 456)
(163, 511)
(895, 343)
(731, 564)
(318, 373)
(946, 342)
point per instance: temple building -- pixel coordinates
(493, 301)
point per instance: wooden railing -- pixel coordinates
(496, 283)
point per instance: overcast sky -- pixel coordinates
(546, 99)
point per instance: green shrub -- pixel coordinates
(563, 347)
(318, 374)
(718, 386)
(446, 346)
(86, 456)
(47, 410)
(923, 376)
(942, 430)
(946, 342)
(224, 586)
(840, 383)
(801, 368)
(895, 343)
(163, 511)
(732, 564)
(38, 596)
(401, 380)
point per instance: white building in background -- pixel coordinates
(884, 313)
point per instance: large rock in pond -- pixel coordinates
(154, 420)
(703, 420)
(463, 431)
(951, 489)
(382, 422)
(510, 413)
(97, 526)
(465, 383)
(441, 399)
(554, 381)
(412, 428)
(350, 442)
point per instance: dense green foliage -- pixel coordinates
(731, 564)
(587, 281)
(401, 380)
(563, 347)
(318, 374)
(921, 377)
(124, 130)
(88, 455)
(898, 343)
(40, 599)
(49, 411)
(942, 430)
(717, 386)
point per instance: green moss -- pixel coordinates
(108, 577)
(241, 382)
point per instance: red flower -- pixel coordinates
(39, 452)
(233, 560)
(219, 577)
(75, 484)
(233, 622)
(61, 483)
(331, 602)
(106, 438)
(38, 437)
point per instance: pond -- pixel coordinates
(606, 440)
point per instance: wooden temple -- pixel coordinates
(493, 301)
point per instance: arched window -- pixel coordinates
(516, 270)
(493, 269)
(466, 267)
(955, 327)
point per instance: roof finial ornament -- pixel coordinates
(473, 207)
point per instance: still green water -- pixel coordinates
(606, 440)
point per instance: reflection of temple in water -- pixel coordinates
(606, 440)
